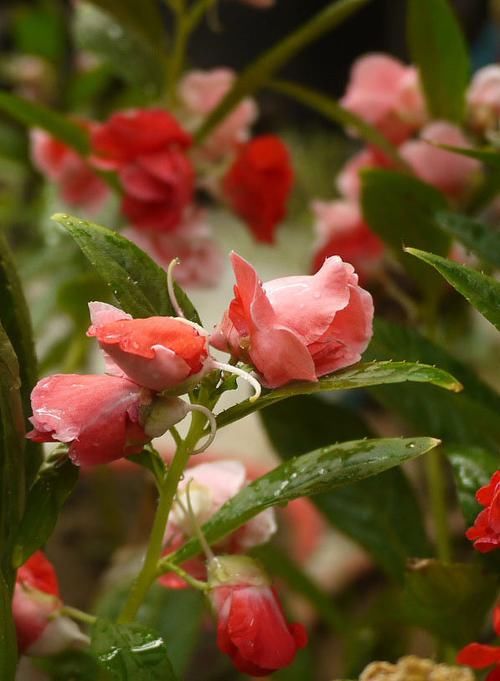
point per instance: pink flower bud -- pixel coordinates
(98, 416)
(451, 173)
(251, 628)
(200, 92)
(77, 182)
(386, 93)
(342, 231)
(483, 99)
(160, 353)
(296, 328)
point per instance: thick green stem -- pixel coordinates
(437, 493)
(78, 615)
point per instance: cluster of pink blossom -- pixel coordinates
(387, 94)
(159, 170)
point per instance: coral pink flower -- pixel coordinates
(160, 353)
(200, 92)
(258, 184)
(483, 98)
(148, 150)
(386, 93)
(349, 179)
(485, 533)
(296, 328)
(78, 184)
(98, 416)
(451, 173)
(200, 259)
(480, 656)
(342, 231)
(35, 606)
(251, 628)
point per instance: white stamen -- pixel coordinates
(170, 287)
(242, 374)
(211, 420)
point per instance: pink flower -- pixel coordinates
(160, 353)
(386, 93)
(483, 98)
(451, 173)
(296, 328)
(200, 92)
(78, 184)
(200, 260)
(40, 629)
(258, 184)
(251, 628)
(485, 533)
(342, 231)
(480, 656)
(349, 179)
(148, 149)
(98, 416)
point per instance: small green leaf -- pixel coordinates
(362, 375)
(8, 642)
(34, 115)
(307, 475)
(449, 600)
(438, 48)
(138, 283)
(45, 500)
(472, 468)
(481, 291)
(481, 239)
(131, 652)
(265, 66)
(401, 210)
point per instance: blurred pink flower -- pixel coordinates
(349, 178)
(483, 98)
(451, 173)
(200, 92)
(386, 93)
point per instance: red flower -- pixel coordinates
(480, 656)
(485, 533)
(148, 150)
(258, 184)
(99, 416)
(159, 353)
(252, 628)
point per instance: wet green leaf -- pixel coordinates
(449, 600)
(307, 475)
(138, 283)
(362, 375)
(472, 468)
(438, 48)
(481, 239)
(482, 291)
(131, 652)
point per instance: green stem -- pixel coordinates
(78, 615)
(165, 566)
(178, 54)
(437, 492)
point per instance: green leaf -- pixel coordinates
(138, 283)
(34, 115)
(8, 642)
(401, 210)
(449, 600)
(12, 478)
(131, 652)
(362, 375)
(148, 23)
(489, 156)
(481, 239)
(472, 468)
(438, 48)
(333, 111)
(469, 418)
(72, 665)
(307, 475)
(265, 66)
(15, 319)
(45, 500)
(481, 291)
